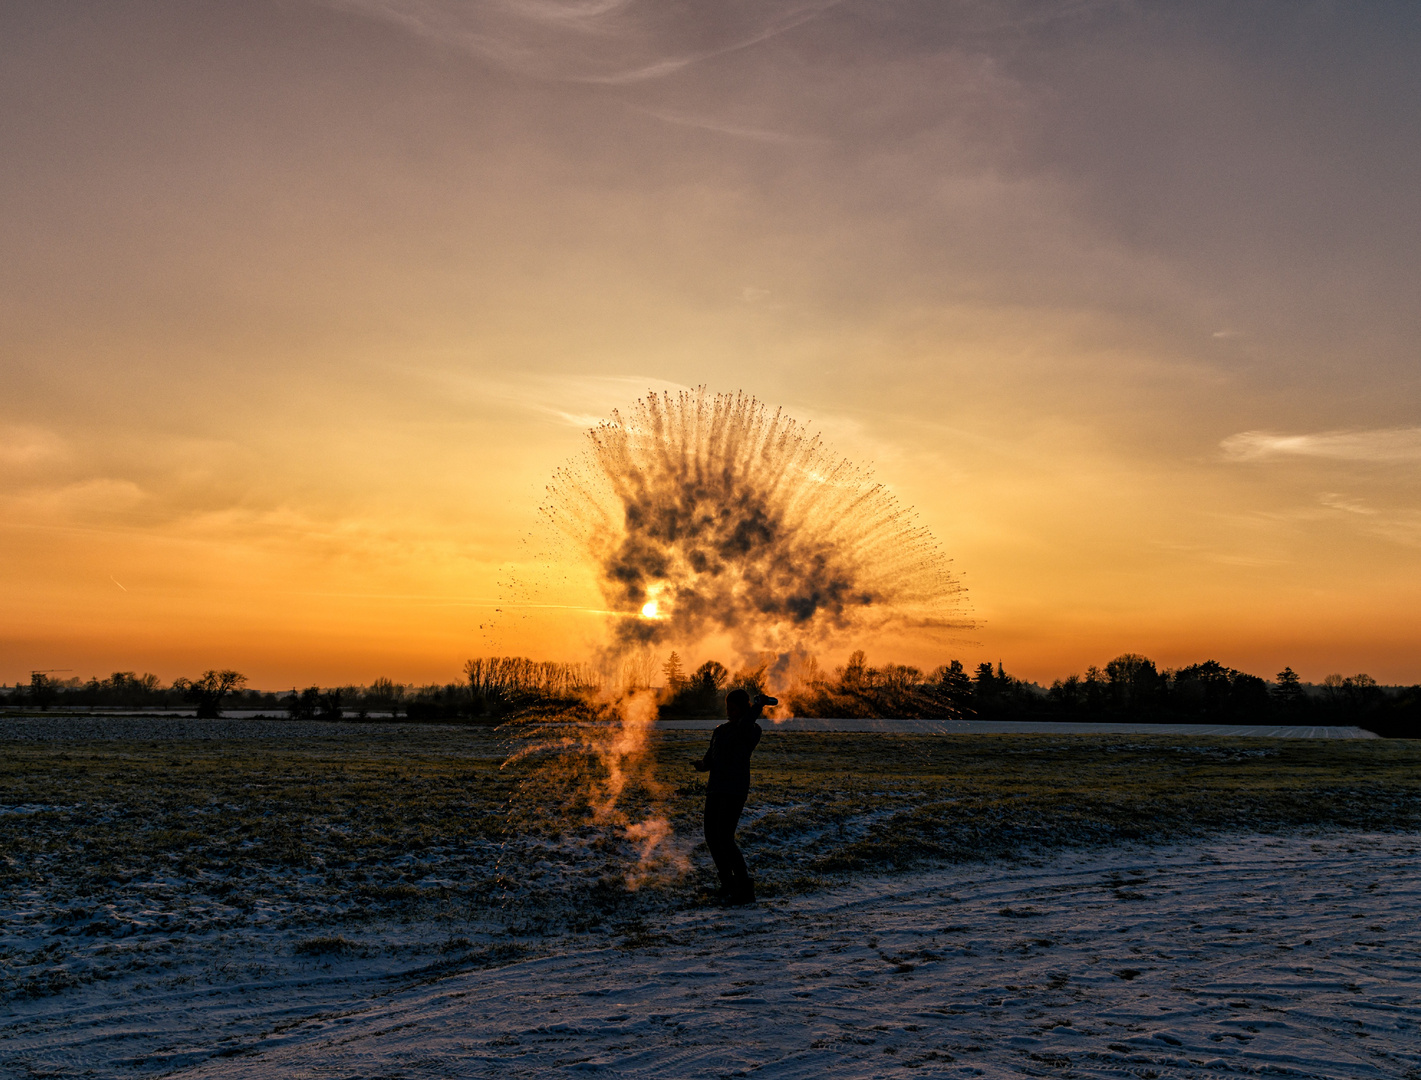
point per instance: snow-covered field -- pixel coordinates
(63, 727)
(1037, 727)
(245, 897)
(70, 727)
(1294, 956)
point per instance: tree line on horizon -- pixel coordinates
(216, 690)
(1129, 688)
(129, 690)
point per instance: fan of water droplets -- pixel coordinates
(703, 515)
(708, 513)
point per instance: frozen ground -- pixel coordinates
(1031, 727)
(61, 727)
(1291, 956)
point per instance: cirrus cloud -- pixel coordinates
(594, 41)
(1377, 445)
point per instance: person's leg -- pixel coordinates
(721, 817)
(741, 888)
(744, 888)
(715, 843)
(717, 838)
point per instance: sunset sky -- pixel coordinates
(304, 302)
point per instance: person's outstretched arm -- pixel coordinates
(703, 764)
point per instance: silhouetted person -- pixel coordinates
(728, 761)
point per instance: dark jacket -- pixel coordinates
(728, 757)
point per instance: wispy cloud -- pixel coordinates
(736, 131)
(1335, 501)
(23, 445)
(613, 42)
(97, 498)
(568, 400)
(581, 401)
(1400, 526)
(1378, 445)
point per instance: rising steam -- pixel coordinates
(597, 758)
(707, 513)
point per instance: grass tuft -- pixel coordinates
(326, 946)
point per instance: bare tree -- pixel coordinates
(209, 689)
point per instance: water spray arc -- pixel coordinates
(708, 513)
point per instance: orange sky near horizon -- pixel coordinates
(304, 302)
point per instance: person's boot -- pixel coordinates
(722, 897)
(742, 894)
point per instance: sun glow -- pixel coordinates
(649, 610)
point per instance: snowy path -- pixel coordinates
(1296, 957)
